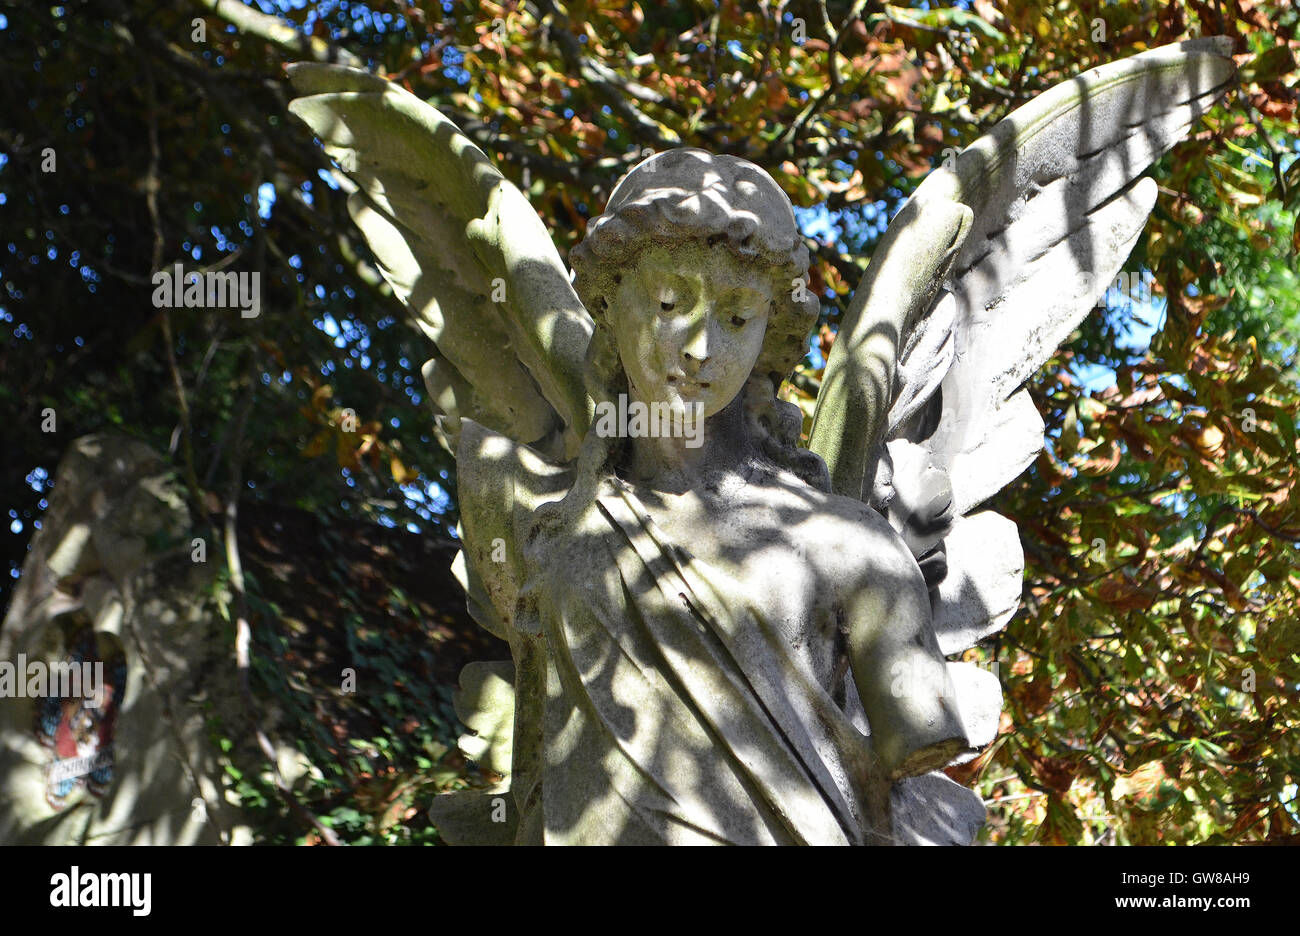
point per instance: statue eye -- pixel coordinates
(738, 321)
(666, 306)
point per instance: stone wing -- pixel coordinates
(993, 262)
(990, 266)
(462, 247)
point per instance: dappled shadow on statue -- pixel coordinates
(737, 638)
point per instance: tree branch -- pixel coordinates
(608, 83)
(273, 30)
(244, 631)
(151, 187)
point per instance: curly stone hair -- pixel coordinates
(690, 194)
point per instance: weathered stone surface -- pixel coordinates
(719, 635)
(486, 704)
(982, 589)
(933, 810)
(111, 570)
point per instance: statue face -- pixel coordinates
(689, 324)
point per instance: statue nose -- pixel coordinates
(695, 361)
(698, 349)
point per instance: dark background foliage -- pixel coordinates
(1151, 675)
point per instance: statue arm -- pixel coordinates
(917, 703)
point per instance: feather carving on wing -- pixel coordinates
(993, 262)
(462, 247)
(466, 253)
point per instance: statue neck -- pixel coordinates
(678, 461)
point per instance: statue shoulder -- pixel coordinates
(843, 538)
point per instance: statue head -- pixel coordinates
(694, 272)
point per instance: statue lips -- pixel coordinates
(682, 382)
(696, 389)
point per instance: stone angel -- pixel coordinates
(734, 635)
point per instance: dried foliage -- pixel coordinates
(1152, 673)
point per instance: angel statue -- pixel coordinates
(719, 633)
